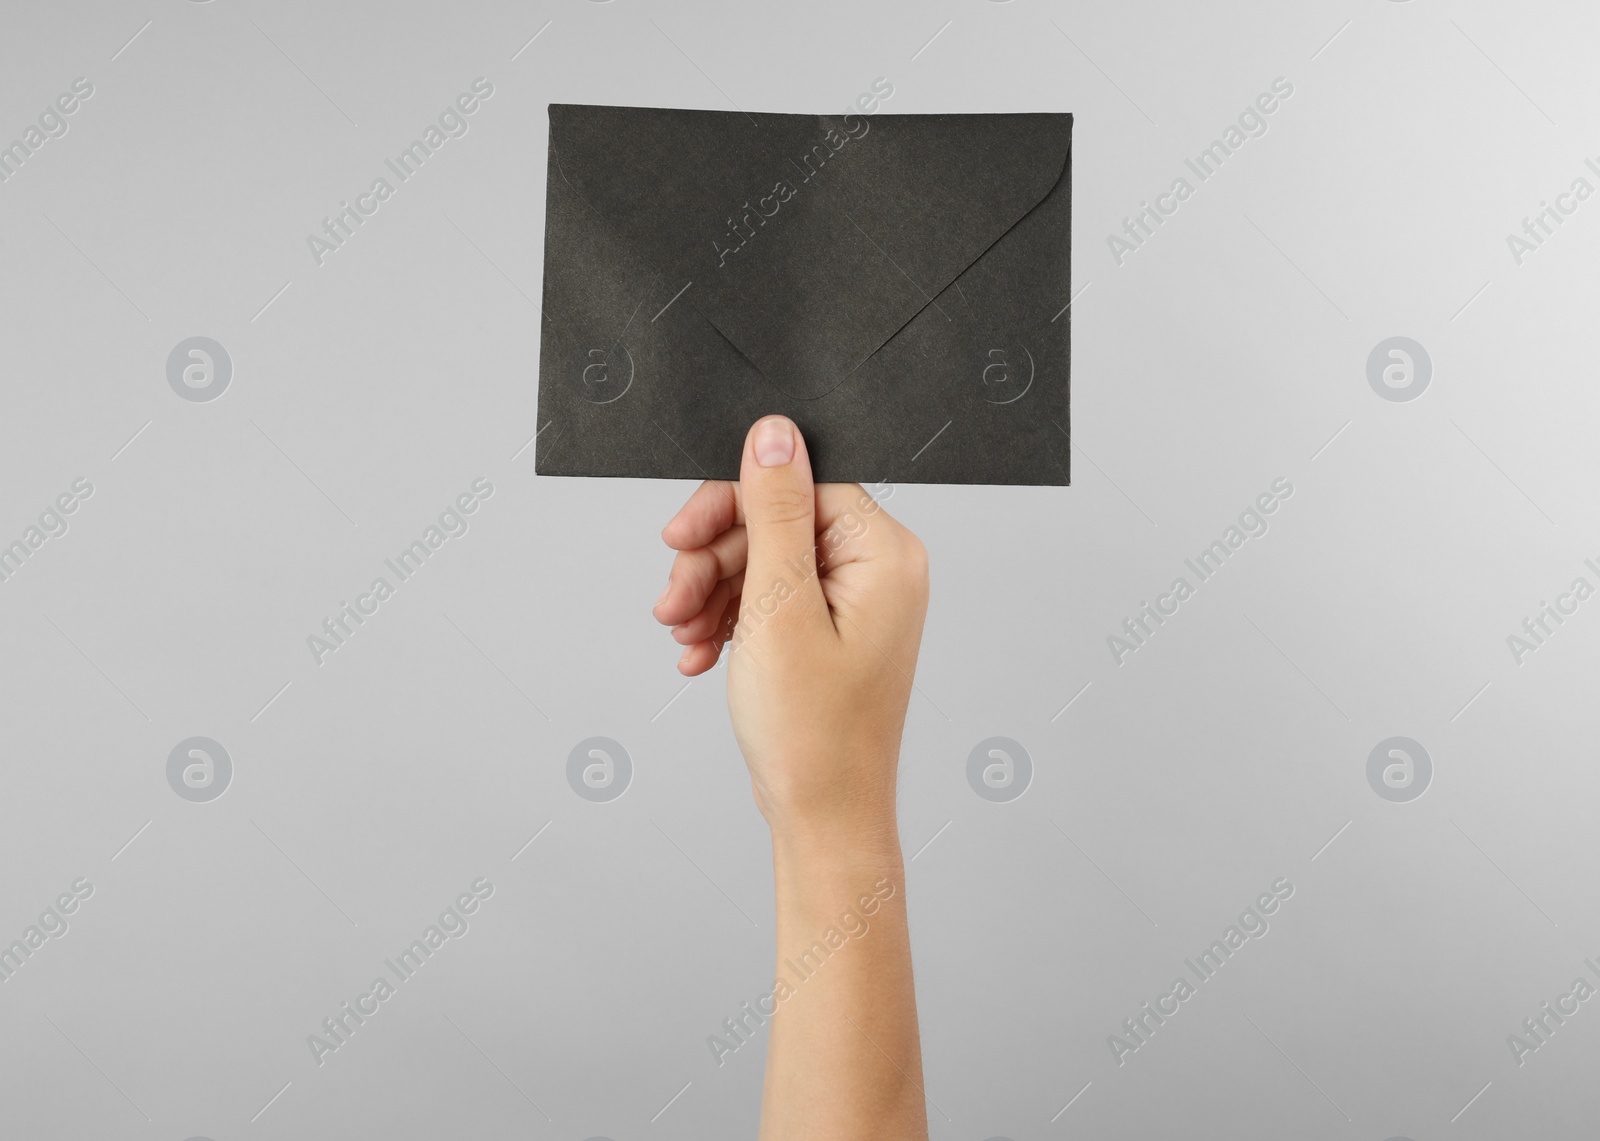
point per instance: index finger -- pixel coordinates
(711, 510)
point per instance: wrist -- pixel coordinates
(848, 844)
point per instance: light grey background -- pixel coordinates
(1168, 792)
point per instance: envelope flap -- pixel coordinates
(809, 241)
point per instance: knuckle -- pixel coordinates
(699, 569)
(914, 559)
(784, 505)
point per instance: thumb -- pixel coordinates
(779, 505)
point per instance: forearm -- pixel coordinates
(843, 1058)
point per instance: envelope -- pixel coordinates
(898, 285)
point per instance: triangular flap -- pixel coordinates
(809, 240)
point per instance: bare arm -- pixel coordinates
(844, 1059)
(820, 597)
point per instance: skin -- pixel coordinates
(819, 677)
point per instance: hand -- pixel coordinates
(820, 596)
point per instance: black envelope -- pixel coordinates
(896, 284)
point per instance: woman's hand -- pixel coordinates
(819, 596)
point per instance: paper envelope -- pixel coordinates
(895, 284)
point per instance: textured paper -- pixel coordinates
(896, 284)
